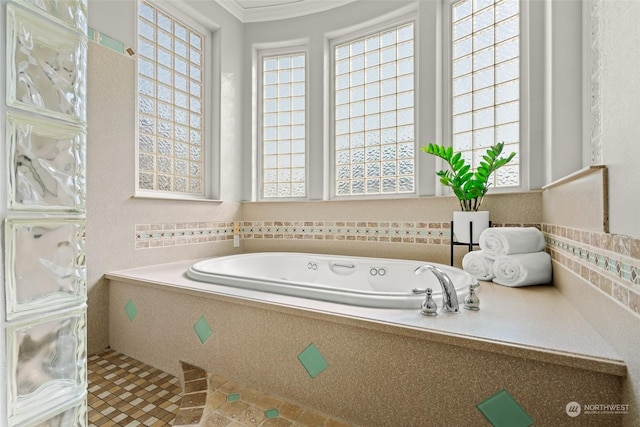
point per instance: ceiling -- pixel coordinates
(269, 10)
(251, 4)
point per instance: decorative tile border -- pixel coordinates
(435, 233)
(412, 232)
(180, 234)
(108, 42)
(610, 262)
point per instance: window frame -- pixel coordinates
(524, 155)
(210, 106)
(261, 52)
(364, 30)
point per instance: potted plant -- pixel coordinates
(469, 186)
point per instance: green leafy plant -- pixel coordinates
(469, 186)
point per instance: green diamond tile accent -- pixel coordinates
(501, 410)
(203, 330)
(233, 397)
(313, 361)
(131, 309)
(271, 413)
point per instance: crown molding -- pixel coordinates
(281, 11)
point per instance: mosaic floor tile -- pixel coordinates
(126, 392)
(231, 404)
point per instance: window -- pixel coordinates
(485, 64)
(374, 118)
(170, 104)
(284, 126)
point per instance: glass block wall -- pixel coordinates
(284, 125)
(44, 213)
(374, 114)
(170, 104)
(486, 82)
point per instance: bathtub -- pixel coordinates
(360, 281)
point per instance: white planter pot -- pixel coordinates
(461, 222)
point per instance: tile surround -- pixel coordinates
(432, 233)
(148, 236)
(179, 234)
(435, 233)
(609, 262)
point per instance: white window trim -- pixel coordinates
(396, 19)
(211, 103)
(261, 51)
(525, 109)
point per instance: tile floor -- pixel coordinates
(124, 392)
(211, 400)
(128, 393)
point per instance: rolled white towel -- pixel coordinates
(478, 265)
(522, 269)
(496, 241)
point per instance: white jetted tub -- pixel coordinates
(360, 281)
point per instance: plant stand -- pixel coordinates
(470, 244)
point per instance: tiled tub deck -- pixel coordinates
(531, 342)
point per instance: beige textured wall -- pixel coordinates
(562, 206)
(614, 127)
(594, 270)
(112, 212)
(505, 209)
(616, 62)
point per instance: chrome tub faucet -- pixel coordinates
(449, 296)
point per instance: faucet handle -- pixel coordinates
(471, 301)
(429, 307)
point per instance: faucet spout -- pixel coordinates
(449, 296)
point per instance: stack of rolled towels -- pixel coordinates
(510, 256)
